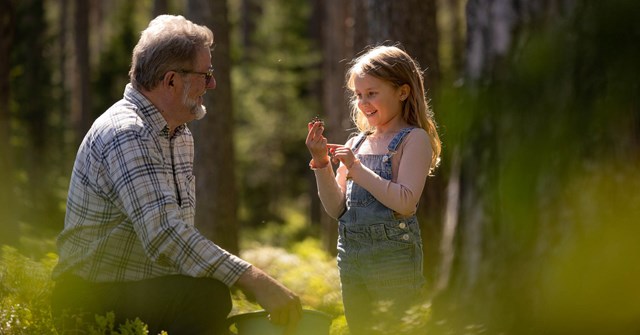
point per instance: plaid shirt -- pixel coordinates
(131, 204)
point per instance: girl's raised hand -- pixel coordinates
(317, 143)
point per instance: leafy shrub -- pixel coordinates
(25, 292)
(307, 270)
(25, 289)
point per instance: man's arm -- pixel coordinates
(283, 305)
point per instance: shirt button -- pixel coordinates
(405, 237)
(402, 225)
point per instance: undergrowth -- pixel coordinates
(25, 290)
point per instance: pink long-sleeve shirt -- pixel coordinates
(410, 168)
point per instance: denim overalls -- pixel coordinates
(379, 251)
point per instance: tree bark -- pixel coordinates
(250, 11)
(159, 7)
(457, 37)
(32, 95)
(81, 99)
(491, 242)
(216, 216)
(337, 49)
(8, 223)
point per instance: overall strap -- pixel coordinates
(361, 137)
(395, 142)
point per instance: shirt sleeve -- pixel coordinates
(139, 186)
(330, 191)
(332, 187)
(403, 195)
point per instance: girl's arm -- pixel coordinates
(333, 187)
(331, 190)
(403, 195)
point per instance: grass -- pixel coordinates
(25, 289)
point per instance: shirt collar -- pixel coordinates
(149, 112)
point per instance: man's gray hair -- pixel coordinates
(168, 43)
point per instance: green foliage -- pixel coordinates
(313, 275)
(550, 160)
(414, 321)
(590, 282)
(35, 129)
(105, 325)
(112, 71)
(307, 270)
(25, 288)
(274, 233)
(272, 80)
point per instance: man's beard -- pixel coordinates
(199, 111)
(196, 109)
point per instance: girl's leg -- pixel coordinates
(394, 270)
(357, 308)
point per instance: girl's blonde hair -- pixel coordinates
(393, 65)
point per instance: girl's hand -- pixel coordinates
(317, 143)
(341, 153)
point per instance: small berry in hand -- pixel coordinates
(317, 119)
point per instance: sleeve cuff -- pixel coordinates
(234, 267)
(314, 166)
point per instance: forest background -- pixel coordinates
(531, 222)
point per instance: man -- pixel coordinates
(129, 244)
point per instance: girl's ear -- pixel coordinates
(405, 90)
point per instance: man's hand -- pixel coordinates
(282, 304)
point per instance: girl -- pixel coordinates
(375, 190)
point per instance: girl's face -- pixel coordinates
(379, 101)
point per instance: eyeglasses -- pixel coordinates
(207, 75)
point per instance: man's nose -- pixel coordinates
(212, 83)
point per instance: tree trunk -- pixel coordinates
(8, 222)
(159, 7)
(250, 11)
(64, 85)
(81, 99)
(492, 242)
(216, 216)
(411, 23)
(491, 25)
(337, 46)
(33, 98)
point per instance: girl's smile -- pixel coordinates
(379, 101)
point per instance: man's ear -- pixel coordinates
(168, 79)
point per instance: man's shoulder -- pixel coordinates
(120, 118)
(117, 126)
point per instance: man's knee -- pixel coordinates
(213, 293)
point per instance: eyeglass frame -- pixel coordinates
(207, 75)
